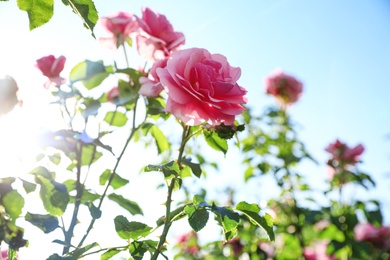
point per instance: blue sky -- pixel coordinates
(340, 50)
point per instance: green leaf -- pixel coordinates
(89, 155)
(80, 251)
(117, 181)
(91, 107)
(86, 10)
(39, 11)
(139, 248)
(198, 218)
(46, 223)
(116, 118)
(130, 230)
(90, 73)
(95, 212)
(216, 142)
(226, 217)
(110, 253)
(55, 158)
(13, 203)
(176, 214)
(54, 195)
(161, 141)
(252, 212)
(129, 205)
(28, 186)
(195, 167)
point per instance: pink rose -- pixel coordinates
(113, 94)
(51, 67)
(318, 252)
(202, 87)
(285, 88)
(157, 39)
(342, 153)
(189, 243)
(8, 94)
(151, 86)
(379, 237)
(118, 26)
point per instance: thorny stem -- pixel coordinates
(79, 194)
(168, 222)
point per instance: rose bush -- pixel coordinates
(201, 90)
(202, 87)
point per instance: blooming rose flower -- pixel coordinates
(151, 86)
(118, 26)
(318, 252)
(202, 87)
(157, 39)
(379, 237)
(342, 153)
(113, 94)
(51, 67)
(8, 97)
(285, 88)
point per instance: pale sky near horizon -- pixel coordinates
(340, 50)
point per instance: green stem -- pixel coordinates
(133, 130)
(168, 222)
(79, 194)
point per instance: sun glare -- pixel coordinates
(18, 146)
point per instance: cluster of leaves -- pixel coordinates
(271, 147)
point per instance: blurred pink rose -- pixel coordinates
(189, 243)
(379, 237)
(342, 153)
(4, 254)
(202, 87)
(51, 67)
(151, 86)
(8, 94)
(157, 39)
(285, 88)
(118, 27)
(318, 252)
(113, 94)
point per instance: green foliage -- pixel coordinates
(116, 182)
(13, 203)
(39, 11)
(90, 73)
(252, 212)
(116, 118)
(109, 254)
(216, 142)
(197, 217)
(46, 223)
(54, 195)
(129, 205)
(130, 229)
(86, 10)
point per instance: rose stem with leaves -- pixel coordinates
(185, 137)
